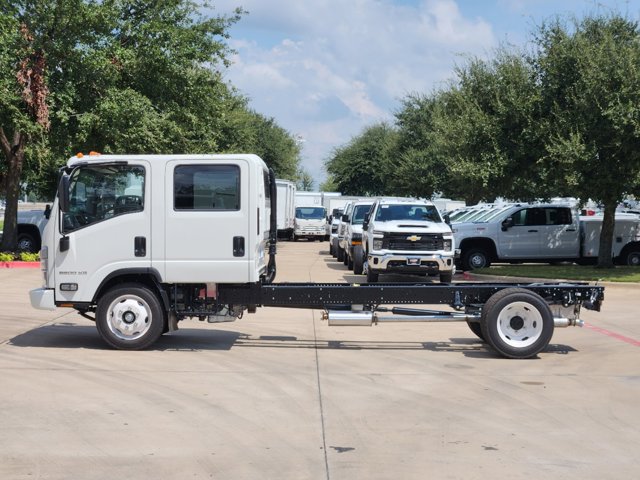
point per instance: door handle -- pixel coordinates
(570, 230)
(238, 246)
(140, 247)
(532, 231)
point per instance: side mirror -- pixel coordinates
(63, 193)
(507, 223)
(447, 219)
(365, 223)
(345, 218)
(47, 211)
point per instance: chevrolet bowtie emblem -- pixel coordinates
(414, 238)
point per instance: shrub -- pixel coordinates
(6, 257)
(29, 257)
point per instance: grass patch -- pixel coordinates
(565, 272)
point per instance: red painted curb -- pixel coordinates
(19, 264)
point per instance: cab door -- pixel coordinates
(106, 228)
(522, 238)
(207, 221)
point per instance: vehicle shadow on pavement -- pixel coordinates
(69, 335)
(469, 347)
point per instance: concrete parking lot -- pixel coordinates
(281, 395)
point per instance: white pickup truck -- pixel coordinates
(403, 235)
(543, 233)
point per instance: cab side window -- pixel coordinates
(206, 187)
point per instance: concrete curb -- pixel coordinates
(18, 264)
(507, 279)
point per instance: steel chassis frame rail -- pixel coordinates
(457, 295)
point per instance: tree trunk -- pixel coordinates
(605, 258)
(14, 156)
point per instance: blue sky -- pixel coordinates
(325, 69)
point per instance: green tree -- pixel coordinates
(304, 180)
(589, 74)
(477, 139)
(108, 75)
(363, 166)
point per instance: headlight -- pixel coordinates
(44, 263)
(377, 244)
(446, 244)
(376, 232)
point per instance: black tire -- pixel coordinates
(147, 318)
(350, 262)
(632, 258)
(340, 254)
(26, 243)
(331, 249)
(475, 258)
(345, 258)
(517, 323)
(476, 328)
(446, 277)
(372, 277)
(358, 261)
(294, 237)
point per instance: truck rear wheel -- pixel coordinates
(476, 328)
(517, 323)
(130, 317)
(372, 277)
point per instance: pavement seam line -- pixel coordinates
(322, 423)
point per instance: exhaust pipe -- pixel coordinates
(562, 322)
(337, 318)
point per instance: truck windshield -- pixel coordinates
(310, 213)
(359, 211)
(423, 213)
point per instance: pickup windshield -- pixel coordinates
(359, 211)
(423, 213)
(310, 213)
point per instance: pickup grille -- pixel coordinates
(399, 241)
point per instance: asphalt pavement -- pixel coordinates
(280, 395)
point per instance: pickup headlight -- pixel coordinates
(446, 244)
(377, 244)
(44, 263)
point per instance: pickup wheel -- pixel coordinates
(475, 258)
(331, 249)
(372, 277)
(446, 277)
(517, 323)
(130, 317)
(358, 260)
(633, 258)
(345, 258)
(340, 254)
(350, 262)
(26, 243)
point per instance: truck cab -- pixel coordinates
(310, 223)
(153, 220)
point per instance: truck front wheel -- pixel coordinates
(475, 258)
(358, 260)
(446, 277)
(633, 258)
(130, 317)
(517, 323)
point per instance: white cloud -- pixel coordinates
(327, 69)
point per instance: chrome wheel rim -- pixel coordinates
(129, 317)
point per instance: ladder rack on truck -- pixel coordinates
(209, 253)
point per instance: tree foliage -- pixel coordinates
(362, 167)
(561, 120)
(125, 76)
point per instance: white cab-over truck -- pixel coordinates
(139, 243)
(542, 233)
